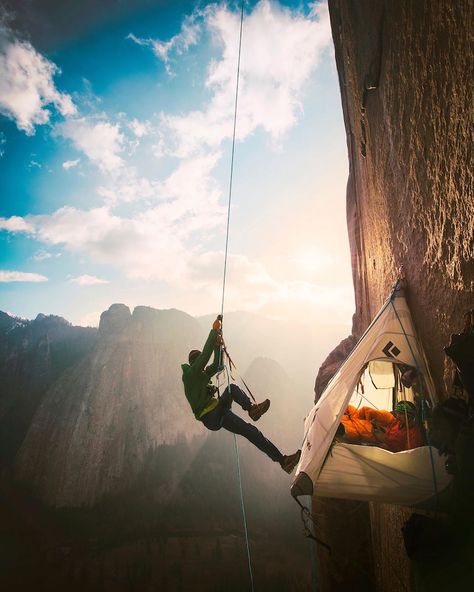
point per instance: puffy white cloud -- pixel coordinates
(280, 50)
(129, 187)
(70, 164)
(100, 141)
(7, 276)
(140, 128)
(26, 84)
(155, 242)
(143, 246)
(16, 224)
(88, 280)
(76, 229)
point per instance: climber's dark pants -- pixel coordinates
(222, 417)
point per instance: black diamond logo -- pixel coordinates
(390, 350)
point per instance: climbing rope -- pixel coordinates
(231, 178)
(226, 252)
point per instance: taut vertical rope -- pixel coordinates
(232, 158)
(244, 519)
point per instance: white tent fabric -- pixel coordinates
(344, 472)
(373, 474)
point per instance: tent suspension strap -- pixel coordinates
(423, 403)
(226, 252)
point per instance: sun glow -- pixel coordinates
(312, 260)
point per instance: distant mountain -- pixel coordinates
(102, 415)
(33, 354)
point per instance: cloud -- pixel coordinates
(177, 45)
(100, 141)
(70, 164)
(140, 128)
(88, 280)
(156, 242)
(26, 85)
(16, 224)
(280, 50)
(41, 255)
(3, 142)
(164, 229)
(7, 276)
(129, 187)
(250, 287)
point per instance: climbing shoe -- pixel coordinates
(258, 409)
(289, 462)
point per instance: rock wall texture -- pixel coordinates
(405, 72)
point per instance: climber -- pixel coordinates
(356, 428)
(215, 412)
(402, 432)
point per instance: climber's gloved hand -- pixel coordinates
(217, 324)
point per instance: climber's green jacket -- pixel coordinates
(198, 388)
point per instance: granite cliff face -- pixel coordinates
(405, 72)
(100, 417)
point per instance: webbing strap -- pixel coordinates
(422, 396)
(234, 367)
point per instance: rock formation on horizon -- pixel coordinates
(33, 354)
(100, 418)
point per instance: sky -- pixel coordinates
(116, 122)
